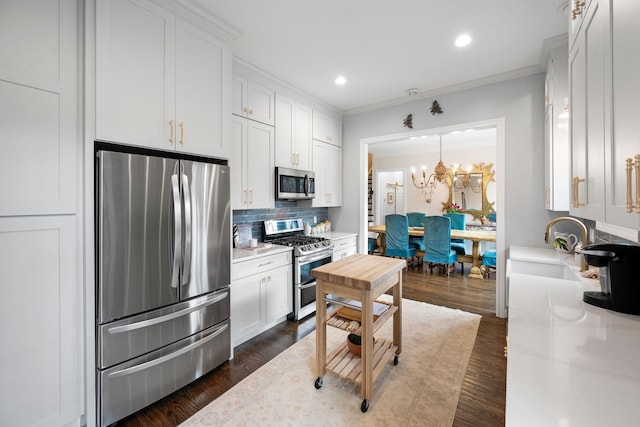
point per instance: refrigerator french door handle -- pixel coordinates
(177, 231)
(151, 363)
(186, 263)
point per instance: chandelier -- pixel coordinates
(440, 175)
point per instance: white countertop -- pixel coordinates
(569, 363)
(263, 249)
(334, 235)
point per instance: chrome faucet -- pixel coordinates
(583, 229)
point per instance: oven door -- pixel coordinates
(305, 284)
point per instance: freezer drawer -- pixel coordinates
(130, 386)
(128, 338)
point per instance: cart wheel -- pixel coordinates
(318, 383)
(365, 405)
(395, 360)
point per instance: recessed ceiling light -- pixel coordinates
(463, 40)
(340, 80)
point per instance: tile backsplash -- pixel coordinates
(283, 209)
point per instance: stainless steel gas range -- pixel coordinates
(309, 252)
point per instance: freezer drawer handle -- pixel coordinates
(169, 356)
(155, 321)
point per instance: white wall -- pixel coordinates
(519, 103)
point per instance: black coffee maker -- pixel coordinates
(619, 274)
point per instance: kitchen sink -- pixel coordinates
(542, 269)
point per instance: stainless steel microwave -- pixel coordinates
(293, 184)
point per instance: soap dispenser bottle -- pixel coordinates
(307, 229)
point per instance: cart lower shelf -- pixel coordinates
(345, 365)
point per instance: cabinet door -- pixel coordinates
(38, 80)
(589, 106)
(626, 124)
(253, 100)
(327, 128)
(303, 136)
(202, 106)
(279, 293)
(41, 305)
(135, 73)
(260, 166)
(247, 310)
(285, 133)
(320, 159)
(238, 162)
(334, 176)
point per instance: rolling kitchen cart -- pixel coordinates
(361, 278)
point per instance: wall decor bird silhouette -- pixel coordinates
(408, 122)
(435, 108)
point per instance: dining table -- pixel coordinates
(475, 236)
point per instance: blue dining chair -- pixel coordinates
(397, 237)
(437, 243)
(488, 263)
(416, 219)
(458, 222)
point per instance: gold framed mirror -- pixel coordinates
(469, 190)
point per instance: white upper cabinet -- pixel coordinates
(557, 159)
(605, 129)
(625, 127)
(253, 100)
(293, 134)
(327, 129)
(252, 165)
(590, 103)
(160, 82)
(38, 111)
(327, 165)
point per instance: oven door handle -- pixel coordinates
(307, 285)
(306, 259)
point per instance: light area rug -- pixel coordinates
(422, 390)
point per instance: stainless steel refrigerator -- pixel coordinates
(163, 274)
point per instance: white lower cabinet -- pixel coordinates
(344, 247)
(261, 295)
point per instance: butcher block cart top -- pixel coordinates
(361, 278)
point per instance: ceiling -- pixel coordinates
(385, 48)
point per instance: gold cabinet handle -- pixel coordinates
(577, 10)
(631, 165)
(576, 192)
(181, 125)
(171, 131)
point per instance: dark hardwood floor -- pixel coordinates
(482, 400)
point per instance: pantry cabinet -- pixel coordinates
(261, 294)
(253, 100)
(160, 81)
(293, 134)
(41, 320)
(252, 165)
(327, 128)
(327, 166)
